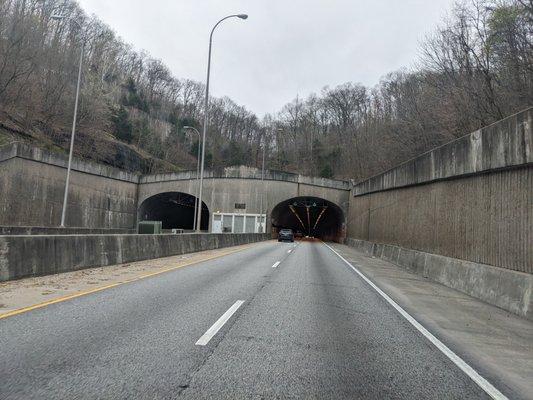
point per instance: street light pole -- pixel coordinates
(197, 176)
(206, 112)
(263, 221)
(67, 181)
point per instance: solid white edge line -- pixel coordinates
(208, 335)
(276, 264)
(467, 369)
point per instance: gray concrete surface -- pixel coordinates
(484, 218)
(23, 256)
(507, 289)
(309, 328)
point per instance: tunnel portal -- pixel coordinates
(174, 209)
(312, 216)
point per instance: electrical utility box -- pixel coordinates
(150, 227)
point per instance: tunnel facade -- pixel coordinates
(174, 209)
(239, 194)
(310, 216)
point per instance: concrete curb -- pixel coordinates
(506, 289)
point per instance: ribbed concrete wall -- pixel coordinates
(485, 218)
(474, 204)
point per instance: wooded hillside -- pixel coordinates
(473, 70)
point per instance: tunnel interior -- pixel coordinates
(312, 216)
(174, 209)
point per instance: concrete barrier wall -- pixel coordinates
(470, 200)
(23, 256)
(510, 290)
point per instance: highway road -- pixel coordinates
(276, 320)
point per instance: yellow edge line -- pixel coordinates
(137, 278)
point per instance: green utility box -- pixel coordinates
(150, 227)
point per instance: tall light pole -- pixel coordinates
(206, 112)
(263, 222)
(72, 135)
(192, 128)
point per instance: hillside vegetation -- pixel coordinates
(476, 68)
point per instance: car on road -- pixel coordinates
(298, 234)
(285, 235)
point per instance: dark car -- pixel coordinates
(285, 234)
(298, 234)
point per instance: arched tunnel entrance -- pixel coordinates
(310, 216)
(174, 209)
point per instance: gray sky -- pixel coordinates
(285, 48)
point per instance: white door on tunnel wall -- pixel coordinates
(217, 224)
(260, 225)
(250, 224)
(238, 224)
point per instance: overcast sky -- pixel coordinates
(285, 48)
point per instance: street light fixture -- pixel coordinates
(65, 195)
(206, 112)
(192, 128)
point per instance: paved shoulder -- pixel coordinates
(498, 344)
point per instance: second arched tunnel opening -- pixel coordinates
(174, 209)
(309, 216)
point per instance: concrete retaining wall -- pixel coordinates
(471, 199)
(23, 256)
(510, 290)
(32, 183)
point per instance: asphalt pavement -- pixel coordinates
(277, 320)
